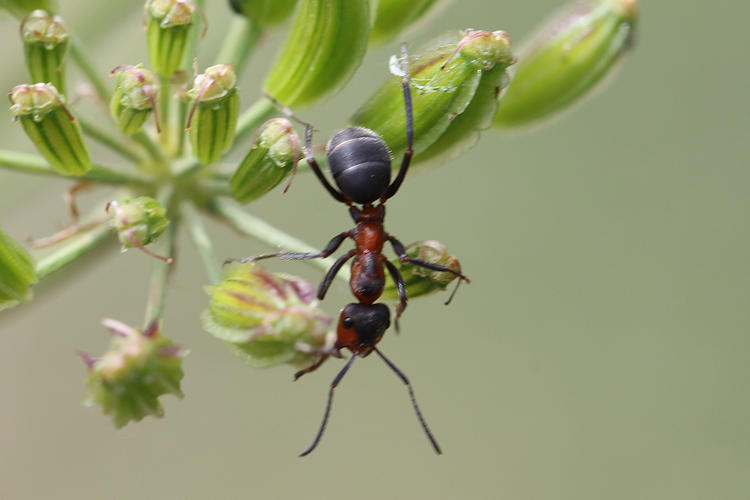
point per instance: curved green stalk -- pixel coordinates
(70, 250)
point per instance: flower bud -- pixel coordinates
(566, 59)
(45, 43)
(51, 127)
(324, 48)
(392, 17)
(445, 76)
(419, 280)
(20, 8)
(264, 13)
(134, 98)
(169, 23)
(138, 221)
(270, 319)
(128, 379)
(273, 156)
(16, 272)
(213, 114)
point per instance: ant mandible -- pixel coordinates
(360, 163)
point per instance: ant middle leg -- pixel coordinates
(399, 281)
(331, 247)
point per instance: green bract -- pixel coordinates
(51, 127)
(270, 319)
(445, 76)
(324, 48)
(566, 59)
(273, 156)
(264, 12)
(394, 16)
(169, 25)
(128, 379)
(420, 281)
(138, 221)
(213, 115)
(16, 272)
(134, 98)
(45, 43)
(20, 8)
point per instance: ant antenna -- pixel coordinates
(405, 380)
(328, 406)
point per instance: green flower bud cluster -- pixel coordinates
(420, 281)
(264, 12)
(51, 127)
(169, 24)
(270, 319)
(16, 272)
(138, 221)
(134, 98)
(127, 380)
(273, 156)
(45, 43)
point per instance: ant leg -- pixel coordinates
(399, 280)
(309, 156)
(312, 367)
(331, 247)
(332, 272)
(328, 406)
(405, 380)
(406, 86)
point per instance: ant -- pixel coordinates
(360, 163)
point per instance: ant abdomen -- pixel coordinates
(360, 163)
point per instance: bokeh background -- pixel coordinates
(601, 351)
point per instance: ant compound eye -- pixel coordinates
(347, 323)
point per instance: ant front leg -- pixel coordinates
(331, 247)
(399, 281)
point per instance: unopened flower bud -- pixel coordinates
(20, 8)
(392, 17)
(445, 76)
(270, 319)
(51, 127)
(16, 272)
(138, 221)
(128, 379)
(324, 48)
(273, 156)
(566, 59)
(264, 12)
(134, 98)
(419, 280)
(169, 23)
(45, 43)
(213, 114)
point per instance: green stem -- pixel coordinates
(202, 244)
(239, 43)
(258, 228)
(72, 249)
(148, 143)
(32, 164)
(108, 139)
(84, 63)
(159, 279)
(251, 119)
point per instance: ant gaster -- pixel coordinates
(360, 163)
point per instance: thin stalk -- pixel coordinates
(258, 228)
(251, 119)
(110, 140)
(150, 145)
(165, 96)
(159, 279)
(202, 244)
(239, 43)
(70, 250)
(83, 61)
(32, 164)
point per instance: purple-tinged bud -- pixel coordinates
(138, 221)
(45, 43)
(134, 98)
(419, 280)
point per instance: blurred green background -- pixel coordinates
(601, 351)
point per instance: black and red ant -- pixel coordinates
(360, 163)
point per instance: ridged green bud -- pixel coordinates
(20, 8)
(273, 156)
(51, 127)
(324, 48)
(420, 281)
(134, 98)
(128, 379)
(16, 272)
(169, 23)
(392, 17)
(270, 319)
(264, 12)
(566, 59)
(138, 221)
(213, 114)
(45, 43)
(445, 76)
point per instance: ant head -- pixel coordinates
(361, 326)
(360, 163)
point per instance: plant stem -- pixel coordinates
(112, 141)
(202, 244)
(239, 43)
(165, 91)
(251, 119)
(32, 164)
(72, 249)
(258, 228)
(84, 63)
(162, 271)
(148, 143)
